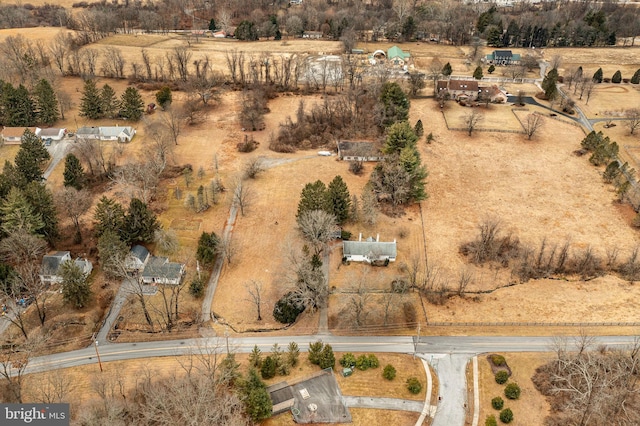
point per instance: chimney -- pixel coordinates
(360, 237)
(377, 238)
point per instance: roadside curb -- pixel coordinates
(476, 393)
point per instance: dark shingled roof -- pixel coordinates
(139, 252)
(160, 267)
(51, 262)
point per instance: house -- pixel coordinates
(295, 2)
(220, 34)
(136, 259)
(49, 272)
(312, 34)
(52, 133)
(117, 133)
(88, 133)
(13, 135)
(358, 151)
(397, 57)
(459, 89)
(492, 93)
(159, 270)
(369, 250)
(503, 57)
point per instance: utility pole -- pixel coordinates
(95, 344)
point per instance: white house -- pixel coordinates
(88, 133)
(117, 133)
(52, 133)
(49, 272)
(369, 250)
(13, 135)
(136, 259)
(159, 270)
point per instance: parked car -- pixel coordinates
(47, 142)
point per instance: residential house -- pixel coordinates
(503, 57)
(463, 89)
(159, 270)
(312, 34)
(369, 250)
(88, 133)
(220, 34)
(117, 133)
(137, 259)
(492, 93)
(52, 133)
(358, 151)
(397, 57)
(13, 135)
(49, 272)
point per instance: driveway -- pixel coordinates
(452, 396)
(57, 150)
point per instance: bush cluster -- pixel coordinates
(389, 372)
(501, 377)
(512, 391)
(413, 385)
(497, 403)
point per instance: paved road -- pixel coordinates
(114, 312)
(452, 395)
(57, 150)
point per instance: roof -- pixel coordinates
(16, 132)
(113, 131)
(465, 85)
(442, 85)
(160, 267)
(502, 53)
(51, 262)
(139, 252)
(358, 148)
(363, 248)
(395, 51)
(52, 131)
(88, 131)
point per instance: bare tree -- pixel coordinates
(59, 49)
(589, 86)
(555, 62)
(56, 387)
(317, 227)
(359, 303)
(113, 63)
(306, 281)
(182, 58)
(471, 120)
(94, 155)
(74, 203)
(532, 123)
(435, 72)
(632, 117)
(227, 248)
(13, 364)
(254, 289)
(242, 196)
(465, 277)
(139, 179)
(388, 304)
(253, 167)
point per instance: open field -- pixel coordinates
(607, 99)
(499, 117)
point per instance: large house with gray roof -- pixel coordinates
(158, 270)
(107, 133)
(51, 263)
(369, 251)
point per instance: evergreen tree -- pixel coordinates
(164, 96)
(447, 70)
(491, 69)
(598, 75)
(73, 172)
(109, 101)
(293, 353)
(140, 223)
(268, 368)
(112, 252)
(327, 358)
(246, 30)
(617, 77)
(549, 84)
(418, 129)
(256, 398)
(410, 160)
(636, 77)
(47, 103)
(18, 214)
(313, 197)
(131, 104)
(338, 199)
(108, 217)
(207, 248)
(19, 108)
(399, 136)
(91, 101)
(477, 74)
(212, 25)
(9, 178)
(41, 199)
(31, 157)
(255, 357)
(76, 287)
(395, 104)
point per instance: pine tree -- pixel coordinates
(338, 199)
(131, 104)
(112, 252)
(419, 129)
(41, 199)
(447, 70)
(19, 108)
(598, 75)
(31, 157)
(617, 77)
(636, 77)
(76, 287)
(477, 74)
(108, 217)
(491, 69)
(73, 172)
(255, 357)
(212, 25)
(91, 102)
(18, 214)
(549, 84)
(109, 101)
(395, 104)
(164, 96)
(410, 160)
(46, 102)
(313, 197)
(207, 248)
(399, 136)
(139, 223)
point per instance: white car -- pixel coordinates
(324, 153)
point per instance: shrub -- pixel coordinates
(268, 368)
(497, 403)
(348, 360)
(636, 77)
(502, 377)
(498, 360)
(373, 361)
(286, 311)
(362, 363)
(617, 77)
(506, 415)
(512, 391)
(491, 421)
(413, 385)
(356, 167)
(248, 145)
(345, 235)
(196, 288)
(389, 372)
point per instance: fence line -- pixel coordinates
(534, 324)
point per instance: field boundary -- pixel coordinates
(534, 324)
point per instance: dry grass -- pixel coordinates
(608, 99)
(532, 407)
(359, 416)
(498, 117)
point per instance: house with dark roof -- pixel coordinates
(88, 133)
(503, 57)
(50, 269)
(369, 250)
(137, 258)
(459, 89)
(158, 270)
(358, 151)
(53, 133)
(13, 135)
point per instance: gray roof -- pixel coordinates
(139, 252)
(113, 131)
(51, 262)
(358, 148)
(88, 131)
(364, 248)
(160, 267)
(502, 53)
(52, 131)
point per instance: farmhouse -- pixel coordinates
(52, 133)
(459, 89)
(369, 250)
(136, 259)
(13, 135)
(397, 57)
(358, 151)
(158, 270)
(49, 272)
(503, 57)
(492, 93)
